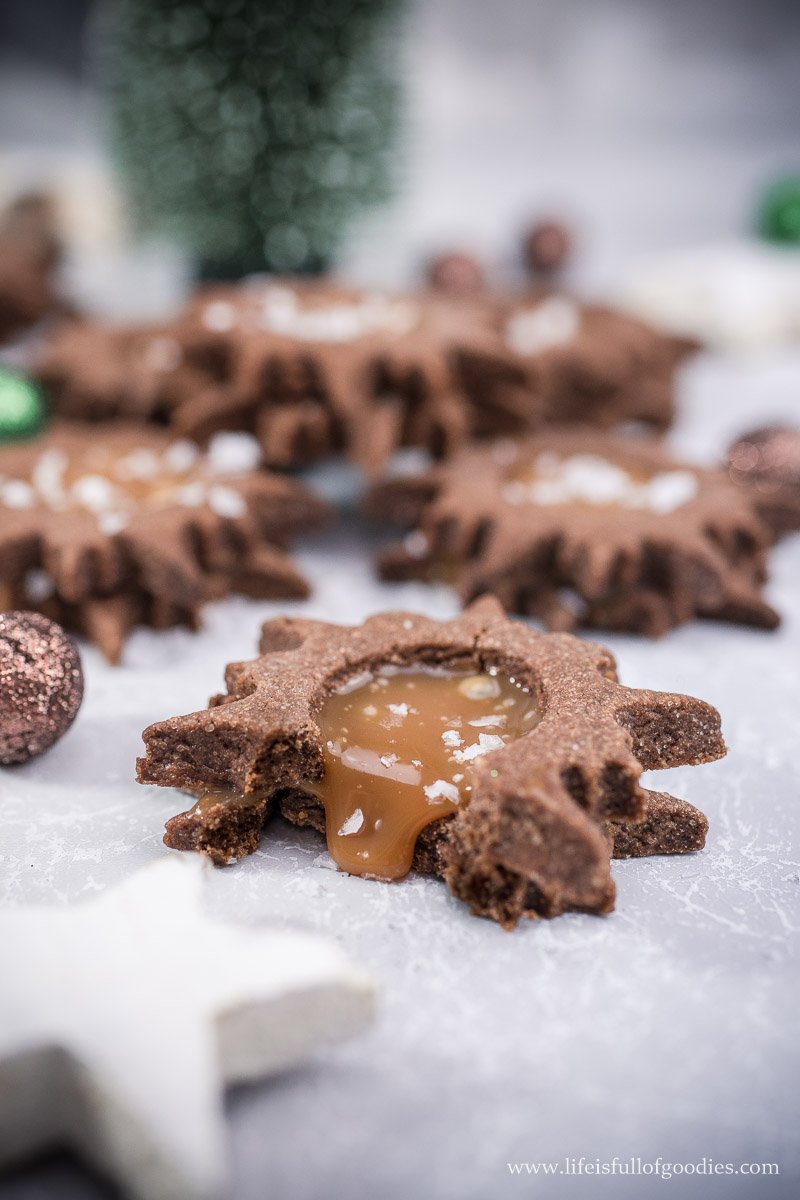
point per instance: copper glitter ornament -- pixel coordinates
(547, 246)
(766, 461)
(41, 685)
(457, 273)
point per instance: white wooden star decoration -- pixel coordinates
(122, 1018)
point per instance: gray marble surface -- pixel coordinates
(667, 1029)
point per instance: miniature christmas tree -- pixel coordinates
(253, 132)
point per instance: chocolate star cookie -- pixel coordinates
(315, 369)
(583, 363)
(318, 369)
(95, 371)
(505, 761)
(579, 528)
(104, 528)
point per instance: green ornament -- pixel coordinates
(779, 219)
(21, 405)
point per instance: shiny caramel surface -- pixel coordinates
(399, 747)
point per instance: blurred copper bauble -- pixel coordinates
(767, 461)
(770, 456)
(41, 685)
(547, 246)
(456, 272)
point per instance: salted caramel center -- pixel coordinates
(588, 480)
(399, 748)
(113, 482)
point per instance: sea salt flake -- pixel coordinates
(112, 523)
(416, 544)
(553, 322)
(38, 586)
(219, 316)
(16, 493)
(225, 502)
(191, 495)
(139, 464)
(485, 744)
(671, 490)
(355, 682)
(233, 454)
(442, 788)
(48, 474)
(181, 456)
(94, 492)
(353, 824)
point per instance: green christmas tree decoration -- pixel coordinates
(253, 132)
(22, 409)
(779, 218)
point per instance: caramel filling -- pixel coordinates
(590, 481)
(399, 747)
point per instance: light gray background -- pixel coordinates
(669, 1028)
(649, 124)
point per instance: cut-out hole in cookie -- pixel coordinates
(399, 748)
